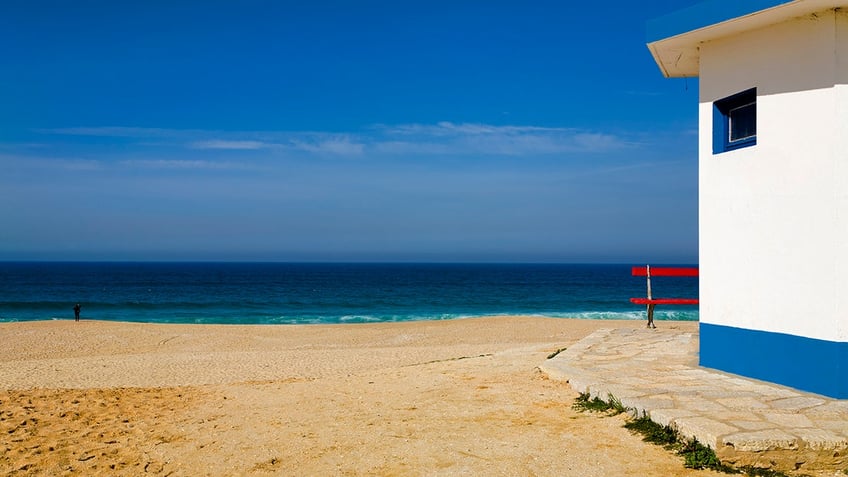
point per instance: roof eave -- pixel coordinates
(678, 55)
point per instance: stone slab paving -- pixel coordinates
(747, 422)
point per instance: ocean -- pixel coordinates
(311, 293)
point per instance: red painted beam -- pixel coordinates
(665, 272)
(664, 301)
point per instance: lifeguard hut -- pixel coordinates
(773, 184)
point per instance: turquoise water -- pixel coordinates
(299, 293)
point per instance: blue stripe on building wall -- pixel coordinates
(808, 364)
(704, 14)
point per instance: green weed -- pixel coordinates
(758, 472)
(654, 433)
(695, 454)
(584, 403)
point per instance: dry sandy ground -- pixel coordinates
(460, 397)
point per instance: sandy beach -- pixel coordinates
(460, 397)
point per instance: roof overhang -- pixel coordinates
(674, 39)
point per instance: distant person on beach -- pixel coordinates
(76, 312)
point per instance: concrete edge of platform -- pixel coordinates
(793, 449)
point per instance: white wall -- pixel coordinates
(841, 158)
(774, 217)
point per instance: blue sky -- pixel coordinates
(343, 130)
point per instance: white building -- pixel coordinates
(773, 183)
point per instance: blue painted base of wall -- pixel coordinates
(811, 365)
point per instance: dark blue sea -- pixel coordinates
(305, 293)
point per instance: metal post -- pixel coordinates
(648, 274)
(650, 305)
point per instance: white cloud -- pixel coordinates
(333, 145)
(306, 141)
(222, 144)
(597, 142)
(181, 164)
(443, 138)
(411, 147)
(114, 131)
(473, 138)
(447, 128)
(18, 163)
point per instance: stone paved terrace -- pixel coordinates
(747, 422)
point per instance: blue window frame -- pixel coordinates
(735, 121)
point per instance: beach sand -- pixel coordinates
(459, 397)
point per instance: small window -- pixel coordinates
(735, 121)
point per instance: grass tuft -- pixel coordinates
(584, 403)
(615, 404)
(758, 472)
(654, 433)
(698, 456)
(695, 455)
